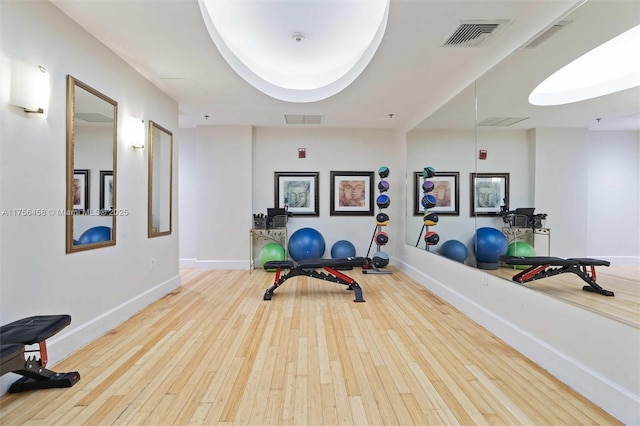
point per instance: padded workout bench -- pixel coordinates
(308, 268)
(543, 267)
(28, 331)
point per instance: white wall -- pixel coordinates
(613, 193)
(276, 149)
(235, 178)
(98, 288)
(216, 169)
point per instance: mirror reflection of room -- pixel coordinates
(160, 180)
(91, 166)
(553, 155)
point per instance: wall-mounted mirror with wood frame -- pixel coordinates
(91, 167)
(160, 182)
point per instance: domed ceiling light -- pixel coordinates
(297, 51)
(611, 67)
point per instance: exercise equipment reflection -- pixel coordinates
(543, 267)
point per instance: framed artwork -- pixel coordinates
(106, 192)
(351, 194)
(446, 190)
(80, 190)
(489, 192)
(297, 192)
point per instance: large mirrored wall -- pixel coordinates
(546, 153)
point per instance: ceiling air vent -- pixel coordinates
(303, 118)
(501, 121)
(546, 34)
(473, 33)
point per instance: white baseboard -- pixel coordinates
(66, 342)
(620, 260)
(215, 264)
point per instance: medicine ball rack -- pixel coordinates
(380, 259)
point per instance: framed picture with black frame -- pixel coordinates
(297, 192)
(489, 192)
(80, 190)
(352, 193)
(446, 190)
(106, 192)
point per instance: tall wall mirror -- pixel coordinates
(160, 183)
(545, 153)
(91, 167)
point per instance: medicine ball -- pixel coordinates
(380, 259)
(431, 238)
(383, 172)
(427, 186)
(428, 172)
(431, 219)
(382, 219)
(383, 201)
(381, 238)
(383, 186)
(428, 201)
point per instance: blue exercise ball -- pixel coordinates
(306, 243)
(97, 234)
(342, 248)
(454, 250)
(488, 245)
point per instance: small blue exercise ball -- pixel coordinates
(342, 248)
(306, 243)
(97, 234)
(488, 245)
(454, 250)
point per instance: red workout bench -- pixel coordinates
(13, 359)
(543, 267)
(308, 268)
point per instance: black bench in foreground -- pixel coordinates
(543, 267)
(308, 268)
(29, 331)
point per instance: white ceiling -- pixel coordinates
(410, 76)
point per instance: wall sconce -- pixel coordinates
(134, 132)
(29, 87)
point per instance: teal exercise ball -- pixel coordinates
(271, 252)
(521, 249)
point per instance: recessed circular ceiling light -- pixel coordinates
(338, 41)
(611, 67)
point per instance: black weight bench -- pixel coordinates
(543, 267)
(29, 331)
(308, 268)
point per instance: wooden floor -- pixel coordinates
(623, 280)
(214, 352)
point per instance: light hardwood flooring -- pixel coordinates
(623, 280)
(213, 352)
